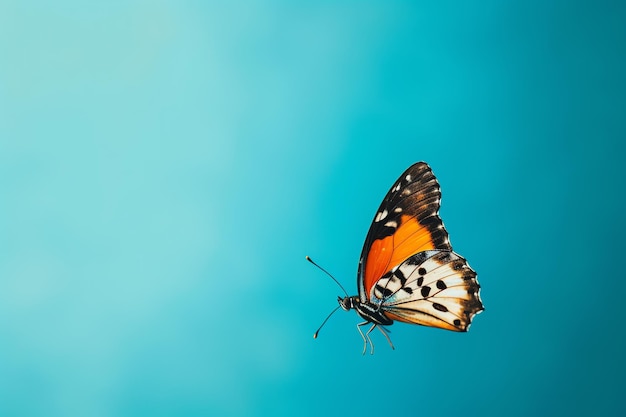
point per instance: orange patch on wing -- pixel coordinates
(410, 238)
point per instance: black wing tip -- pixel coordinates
(418, 167)
(421, 164)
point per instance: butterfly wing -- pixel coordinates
(435, 288)
(406, 223)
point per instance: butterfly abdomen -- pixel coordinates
(372, 313)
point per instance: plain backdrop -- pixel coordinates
(165, 166)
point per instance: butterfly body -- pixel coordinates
(369, 311)
(408, 271)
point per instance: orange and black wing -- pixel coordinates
(406, 223)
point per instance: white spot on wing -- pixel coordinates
(392, 224)
(381, 215)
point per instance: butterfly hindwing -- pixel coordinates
(406, 223)
(434, 288)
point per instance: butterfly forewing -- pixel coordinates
(434, 288)
(406, 223)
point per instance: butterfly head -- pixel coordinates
(347, 303)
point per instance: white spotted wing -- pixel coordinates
(434, 288)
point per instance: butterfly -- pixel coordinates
(408, 271)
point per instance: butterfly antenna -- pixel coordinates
(324, 322)
(328, 273)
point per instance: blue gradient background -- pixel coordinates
(165, 166)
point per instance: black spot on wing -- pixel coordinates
(386, 292)
(398, 273)
(440, 307)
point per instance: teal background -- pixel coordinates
(165, 166)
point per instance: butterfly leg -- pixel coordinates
(385, 333)
(367, 335)
(366, 339)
